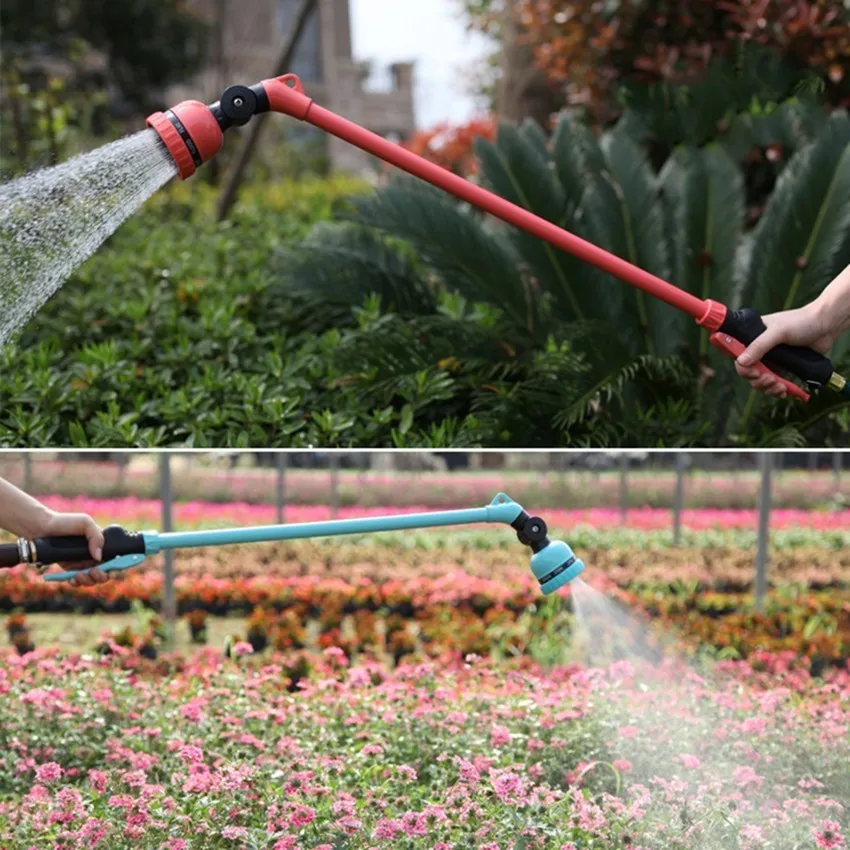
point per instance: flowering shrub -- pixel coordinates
(135, 512)
(202, 751)
(587, 46)
(462, 613)
(452, 146)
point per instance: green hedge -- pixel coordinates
(175, 332)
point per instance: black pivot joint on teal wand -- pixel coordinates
(531, 531)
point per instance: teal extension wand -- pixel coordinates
(552, 562)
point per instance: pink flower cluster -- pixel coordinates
(135, 512)
(205, 751)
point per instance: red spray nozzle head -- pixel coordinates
(193, 133)
(190, 133)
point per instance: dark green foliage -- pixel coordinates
(545, 350)
(413, 321)
(148, 44)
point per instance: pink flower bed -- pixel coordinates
(134, 511)
(206, 752)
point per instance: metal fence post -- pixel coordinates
(766, 466)
(169, 599)
(678, 498)
(624, 487)
(281, 486)
(334, 467)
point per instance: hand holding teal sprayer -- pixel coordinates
(26, 517)
(553, 562)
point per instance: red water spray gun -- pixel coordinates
(194, 133)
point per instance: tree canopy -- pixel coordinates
(589, 49)
(147, 44)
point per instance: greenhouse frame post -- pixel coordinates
(169, 600)
(624, 487)
(678, 498)
(766, 466)
(334, 467)
(280, 489)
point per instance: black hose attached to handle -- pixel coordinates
(10, 555)
(808, 365)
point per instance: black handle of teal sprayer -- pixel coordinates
(72, 549)
(811, 367)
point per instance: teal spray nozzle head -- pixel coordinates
(553, 563)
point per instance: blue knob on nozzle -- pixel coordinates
(555, 565)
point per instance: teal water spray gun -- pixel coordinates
(553, 562)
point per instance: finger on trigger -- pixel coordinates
(96, 541)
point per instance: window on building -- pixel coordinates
(307, 62)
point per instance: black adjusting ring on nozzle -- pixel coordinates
(238, 104)
(533, 533)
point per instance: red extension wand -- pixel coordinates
(194, 133)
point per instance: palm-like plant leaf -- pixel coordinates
(623, 206)
(338, 267)
(469, 259)
(795, 123)
(692, 114)
(704, 194)
(580, 166)
(797, 245)
(532, 133)
(578, 158)
(516, 169)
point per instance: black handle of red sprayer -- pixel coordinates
(811, 367)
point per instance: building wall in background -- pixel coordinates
(244, 49)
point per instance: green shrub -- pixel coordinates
(524, 345)
(323, 315)
(174, 333)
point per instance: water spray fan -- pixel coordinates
(194, 133)
(552, 561)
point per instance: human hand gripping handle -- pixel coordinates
(812, 367)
